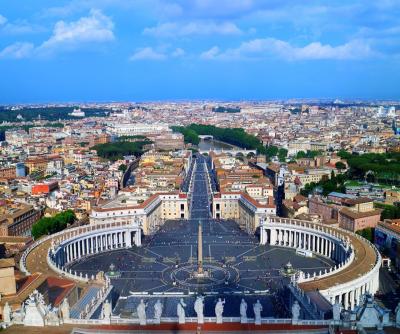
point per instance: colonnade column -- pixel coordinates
(138, 237)
(273, 236)
(128, 238)
(346, 300)
(67, 253)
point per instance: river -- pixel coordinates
(212, 144)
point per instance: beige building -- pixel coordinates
(7, 277)
(310, 175)
(150, 212)
(243, 208)
(17, 219)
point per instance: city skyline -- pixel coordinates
(195, 50)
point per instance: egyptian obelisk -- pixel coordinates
(200, 251)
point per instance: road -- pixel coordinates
(200, 197)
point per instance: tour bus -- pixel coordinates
(304, 252)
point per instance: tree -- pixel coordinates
(300, 155)
(340, 165)
(367, 233)
(116, 151)
(50, 225)
(308, 154)
(123, 168)
(282, 154)
(271, 151)
(233, 136)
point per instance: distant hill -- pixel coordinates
(46, 113)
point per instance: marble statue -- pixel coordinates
(243, 312)
(107, 311)
(397, 312)
(219, 309)
(7, 313)
(158, 308)
(257, 308)
(52, 318)
(199, 309)
(35, 310)
(295, 312)
(64, 310)
(180, 310)
(336, 310)
(141, 312)
(18, 316)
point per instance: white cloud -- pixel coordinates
(96, 27)
(178, 52)
(147, 53)
(3, 20)
(271, 47)
(172, 29)
(160, 53)
(21, 27)
(17, 50)
(213, 53)
(66, 35)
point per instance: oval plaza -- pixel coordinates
(171, 250)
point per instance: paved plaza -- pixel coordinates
(238, 266)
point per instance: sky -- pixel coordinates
(152, 50)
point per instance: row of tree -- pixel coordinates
(368, 233)
(325, 186)
(374, 167)
(117, 150)
(308, 154)
(50, 225)
(234, 136)
(189, 136)
(274, 151)
(389, 211)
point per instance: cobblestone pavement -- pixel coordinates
(238, 265)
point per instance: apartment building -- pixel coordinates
(241, 207)
(150, 211)
(17, 219)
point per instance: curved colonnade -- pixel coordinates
(357, 260)
(71, 245)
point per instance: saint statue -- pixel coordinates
(199, 309)
(180, 310)
(219, 309)
(158, 308)
(295, 311)
(141, 312)
(64, 310)
(257, 308)
(243, 312)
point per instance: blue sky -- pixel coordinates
(137, 50)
